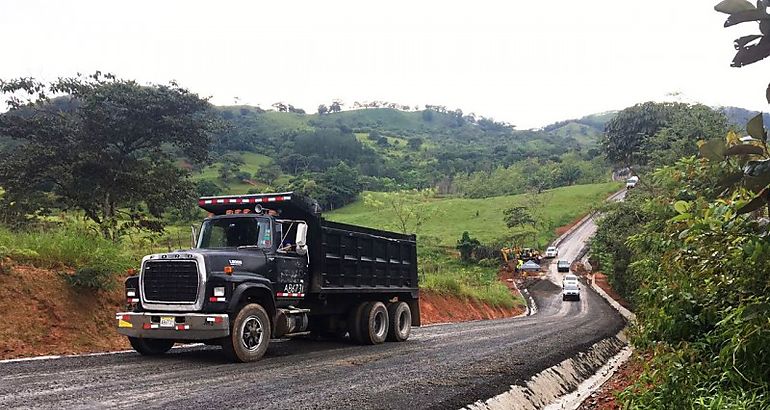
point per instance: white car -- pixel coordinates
(569, 278)
(571, 291)
(631, 182)
(551, 252)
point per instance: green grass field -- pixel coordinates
(440, 269)
(452, 216)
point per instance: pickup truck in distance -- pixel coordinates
(267, 266)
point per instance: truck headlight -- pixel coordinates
(219, 291)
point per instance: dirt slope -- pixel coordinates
(40, 314)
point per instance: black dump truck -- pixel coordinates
(269, 266)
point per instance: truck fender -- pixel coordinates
(259, 292)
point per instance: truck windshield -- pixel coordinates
(234, 232)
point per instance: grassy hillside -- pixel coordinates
(482, 218)
(586, 135)
(440, 269)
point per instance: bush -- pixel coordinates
(90, 277)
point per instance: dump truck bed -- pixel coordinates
(355, 259)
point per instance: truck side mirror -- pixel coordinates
(193, 237)
(301, 239)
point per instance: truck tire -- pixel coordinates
(355, 319)
(374, 324)
(250, 334)
(150, 347)
(400, 322)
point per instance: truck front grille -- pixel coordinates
(170, 281)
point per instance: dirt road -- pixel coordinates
(443, 366)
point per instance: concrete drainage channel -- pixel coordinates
(567, 384)
(547, 387)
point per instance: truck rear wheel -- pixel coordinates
(249, 334)
(400, 322)
(374, 324)
(355, 319)
(150, 347)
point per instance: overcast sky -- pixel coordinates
(526, 62)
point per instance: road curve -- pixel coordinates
(443, 366)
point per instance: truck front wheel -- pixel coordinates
(150, 347)
(249, 335)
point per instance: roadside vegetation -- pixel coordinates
(689, 247)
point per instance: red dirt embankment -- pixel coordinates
(435, 308)
(41, 314)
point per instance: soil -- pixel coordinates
(606, 397)
(437, 308)
(601, 281)
(563, 229)
(41, 314)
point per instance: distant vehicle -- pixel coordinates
(569, 278)
(551, 252)
(571, 291)
(631, 182)
(562, 266)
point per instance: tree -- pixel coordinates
(626, 135)
(336, 106)
(231, 165)
(466, 245)
(414, 143)
(268, 173)
(207, 187)
(517, 216)
(322, 109)
(107, 147)
(408, 208)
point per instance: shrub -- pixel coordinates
(91, 277)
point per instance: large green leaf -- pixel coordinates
(744, 149)
(681, 206)
(756, 175)
(746, 16)
(743, 41)
(752, 53)
(733, 6)
(757, 168)
(756, 127)
(756, 203)
(730, 180)
(713, 150)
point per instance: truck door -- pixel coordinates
(291, 266)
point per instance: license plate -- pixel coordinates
(167, 321)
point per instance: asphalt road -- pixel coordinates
(442, 366)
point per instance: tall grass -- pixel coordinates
(65, 246)
(441, 273)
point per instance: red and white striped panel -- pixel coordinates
(182, 327)
(290, 295)
(244, 200)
